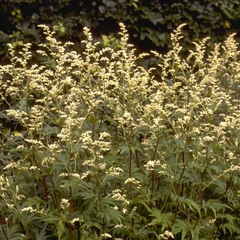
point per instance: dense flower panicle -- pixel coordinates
(166, 235)
(94, 146)
(115, 171)
(116, 194)
(64, 203)
(106, 235)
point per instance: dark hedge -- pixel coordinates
(149, 23)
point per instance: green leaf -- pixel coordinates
(87, 195)
(41, 235)
(228, 227)
(135, 149)
(89, 225)
(164, 219)
(50, 219)
(186, 202)
(181, 227)
(111, 215)
(50, 130)
(63, 217)
(60, 229)
(185, 227)
(231, 219)
(14, 232)
(215, 205)
(34, 201)
(3, 115)
(144, 203)
(92, 119)
(22, 104)
(124, 149)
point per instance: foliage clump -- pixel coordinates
(94, 147)
(143, 19)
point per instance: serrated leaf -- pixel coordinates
(124, 149)
(87, 195)
(215, 206)
(184, 227)
(3, 115)
(135, 149)
(190, 203)
(63, 217)
(164, 219)
(88, 225)
(49, 130)
(60, 229)
(111, 215)
(33, 201)
(42, 234)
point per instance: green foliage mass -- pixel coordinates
(93, 146)
(149, 23)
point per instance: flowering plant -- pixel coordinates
(94, 147)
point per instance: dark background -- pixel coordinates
(149, 22)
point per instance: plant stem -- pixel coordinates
(130, 172)
(223, 201)
(152, 188)
(44, 179)
(201, 197)
(179, 181)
